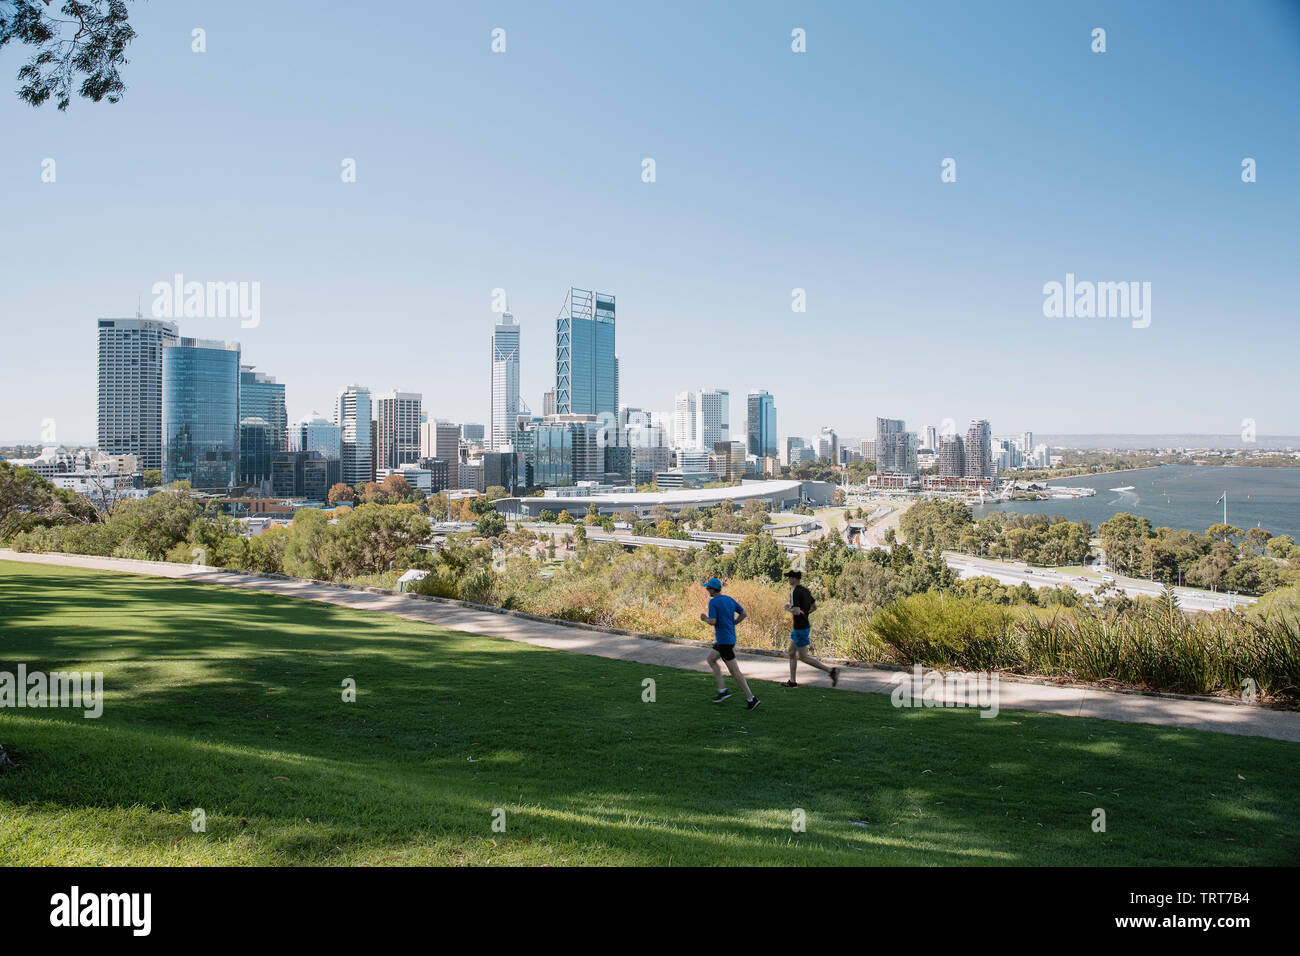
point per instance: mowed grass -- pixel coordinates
(230, 701)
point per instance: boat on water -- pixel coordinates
(1125, 488)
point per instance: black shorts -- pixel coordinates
(726, 651)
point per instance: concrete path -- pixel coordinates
(1012, 694)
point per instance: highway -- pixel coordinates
(1016, 573)
(1013, 573)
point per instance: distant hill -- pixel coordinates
(1262, 442)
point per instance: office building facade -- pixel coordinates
(261, 396)
(397, 432)
(760, 424)
(586, 368)
(200, 414)
(352, 415)
(505, 383)
(131, 387)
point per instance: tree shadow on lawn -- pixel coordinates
(454, 725)
(595, 764)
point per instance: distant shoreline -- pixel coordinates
(1098, 474)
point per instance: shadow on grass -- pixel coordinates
(213, 693)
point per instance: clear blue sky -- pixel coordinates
(775, 170)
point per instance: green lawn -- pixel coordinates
(230, 701)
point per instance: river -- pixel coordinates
(1180, 496)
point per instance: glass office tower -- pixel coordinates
(261, 396)
(200, 414)
(505, 382)
(586, 368)
(761, 424)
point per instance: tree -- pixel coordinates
(494, 492)
(548, 516)
(759, 556)
(396, 487)
(564, 517)
(492, 524)
(88, 41)
(27, 500)
(341, 493)
(152, 477)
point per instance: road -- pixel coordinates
(1015, 573)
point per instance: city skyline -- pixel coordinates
(822, 184)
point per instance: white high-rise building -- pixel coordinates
(398, 431)
(686, 413)
(130, 387)
(352, 415)
(713, 423)
(505, 383)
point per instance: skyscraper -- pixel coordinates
(760, 425)
(317, 434)
(441, 440)
(586, 369)
(352, 415)
(200, 414)
(886, 444)
(256, 452)
(261, 396)
(713, 421)
(828, 445)
(505, 382)
(979, 448)
(952, 457)
(685, 414)
(397, 414)
(130, 387)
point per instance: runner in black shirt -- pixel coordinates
(801, 604)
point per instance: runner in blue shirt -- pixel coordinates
(724, 614)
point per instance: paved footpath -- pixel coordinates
(1013, 694)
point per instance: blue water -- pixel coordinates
(1180, 496)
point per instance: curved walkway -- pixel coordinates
(1196, 713)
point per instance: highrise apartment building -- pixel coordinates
(505, 383)
(352, 415)
(952, 457)
(887, 432)
(130, 387)
(979, 450)
(397, 415)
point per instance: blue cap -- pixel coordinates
(713, 584)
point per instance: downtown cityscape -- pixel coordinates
(729, 435)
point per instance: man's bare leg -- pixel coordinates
(790, 652)
(734, 667)
(808, 659)
(714, 657)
